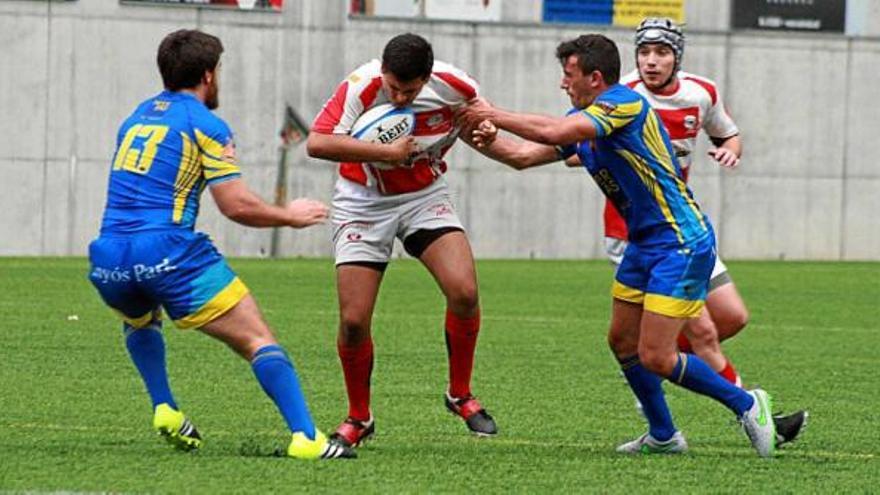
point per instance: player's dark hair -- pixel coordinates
(594, 52)
(185, 55)
(409, 57)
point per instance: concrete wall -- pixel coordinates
(70, 72)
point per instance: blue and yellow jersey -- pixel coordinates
(633, 162)
(166, 152)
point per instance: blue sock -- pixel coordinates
(694, 374)
(276, 375)
(147, 350)
(646, 386)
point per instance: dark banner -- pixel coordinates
(794, 15)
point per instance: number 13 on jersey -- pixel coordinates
(139, 161)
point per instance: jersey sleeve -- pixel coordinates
(718, 123)
(456, 86)
(352, 96)
(216, 149)
(609, 115)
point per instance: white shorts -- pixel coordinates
(614, 249)
(365, 223)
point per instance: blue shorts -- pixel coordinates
(181, 271)
(668, 281)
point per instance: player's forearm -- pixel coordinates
(520, 155)
(250, 210)
(732, 143)
(542, 129)
(343, 148)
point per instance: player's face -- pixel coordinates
(656, 62)
(401, 93)
(212, 94)
(580, 88)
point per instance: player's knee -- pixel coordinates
(353, 330)
(250, 348)
(656, 361)
(464, 299)
(254, 337)
(621, 344)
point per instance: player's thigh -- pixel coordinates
(432, 232)
(191, 279)
(450, 261)
(364, 229)
(701, 332)
(623, 332)
(657, 340)
(112, 276)
(242, 328)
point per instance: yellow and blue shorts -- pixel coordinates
(181, 271)
(671, 281)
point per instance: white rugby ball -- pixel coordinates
(384, 124)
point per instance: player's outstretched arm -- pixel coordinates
(542, 129)
(238, 203)
(515, 154)
(344, 148)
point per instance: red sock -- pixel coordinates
(684, 345)
(461, 341)
(729, 374)
(357, 366)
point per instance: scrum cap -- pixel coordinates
(664, 31)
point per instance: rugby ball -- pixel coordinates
(384, 124)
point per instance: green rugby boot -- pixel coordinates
(177, 430)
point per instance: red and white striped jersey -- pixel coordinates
(434, 131)
(693, 104)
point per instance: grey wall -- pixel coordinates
(70, 72)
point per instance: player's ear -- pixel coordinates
(210, 75)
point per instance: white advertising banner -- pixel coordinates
(464, 10)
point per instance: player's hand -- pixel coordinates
(401, 151)
(725, 157)
(484, 135)
(474, 113)
(304, 212)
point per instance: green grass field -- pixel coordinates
(74, 416)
